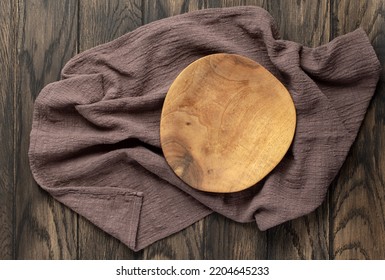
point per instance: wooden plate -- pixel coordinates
(226, 123)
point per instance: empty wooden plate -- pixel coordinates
(226, 123)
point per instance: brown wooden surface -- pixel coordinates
(46, 39)
(7, 103)
(212, 120)
(37, 37)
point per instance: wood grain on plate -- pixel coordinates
(226, 123)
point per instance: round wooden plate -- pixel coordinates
(226, 123)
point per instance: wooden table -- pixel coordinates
(38, 37)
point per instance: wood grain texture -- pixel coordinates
(100, 22)
(304, 238)
(103, 21)
(45, 229)
(7, 57)
(159, 9)
(38, 37)
(187, 244)
(358, 199)
(306, 22)
(229, 240)
(204, 4)
(226, 123)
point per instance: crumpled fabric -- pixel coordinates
(94, 144)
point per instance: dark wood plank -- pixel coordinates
(47, 39)
(304, 238)
(159, 9)
(184, 245)
(103, 21)
(100, 22)
(226, 239)
(7, 58)
(194, 5)
(358, 228)
(95, 244)
(306, 22)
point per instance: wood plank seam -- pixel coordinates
(16, 18)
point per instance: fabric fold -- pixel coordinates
(95, 144)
